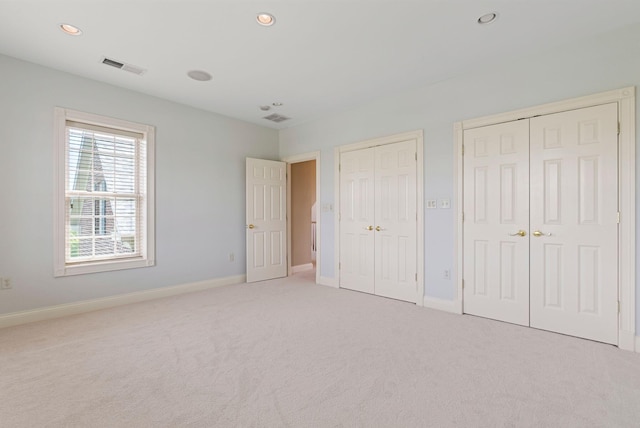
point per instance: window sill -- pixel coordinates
(103, 266)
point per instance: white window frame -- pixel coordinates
(147, 256)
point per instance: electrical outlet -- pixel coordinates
(5, 283)
(432, 203)
(232, 257)
(445, 203)
(447, 274)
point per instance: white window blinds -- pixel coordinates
(105, 193)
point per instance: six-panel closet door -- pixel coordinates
(378, 220)
(540, 222)
(496, 222)
(574, 207)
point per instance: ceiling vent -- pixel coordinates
(122, 66)
(277, 118)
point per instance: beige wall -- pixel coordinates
(303, 195)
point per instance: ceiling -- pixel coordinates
(321, 56)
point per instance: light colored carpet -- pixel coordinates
(292, 354)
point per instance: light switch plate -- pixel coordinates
(432, 203)
(445, 203)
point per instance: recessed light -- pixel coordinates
(276, 104)
(70, 29)
(487, 18)
(265, 108)
(265, 19)
(199, 75)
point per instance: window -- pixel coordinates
(104, 208)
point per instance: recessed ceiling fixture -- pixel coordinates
(199, 75)
(488, 18)
(72, 30)
(276, 104)
(265, 19)
(265, 108)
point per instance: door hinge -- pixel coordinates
(416, 277)
(618, 217)
(462, 150)
(416, 156)
(618, 128)
(339, 266)
(463, 217)
(463, 284)
(339, 167)
(618, 306)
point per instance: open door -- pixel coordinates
(266, 225)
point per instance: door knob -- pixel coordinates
(251, 226)
(368, 228)
(519, 233)
(378, 228)
(537, 233)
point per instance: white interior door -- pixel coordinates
(395, 221)
(496, 222)
(357, 220)
(266, 219)
(574, 206)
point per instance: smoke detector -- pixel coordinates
(123, 66)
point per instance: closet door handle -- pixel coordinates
(378, 228)
(537, 233)
(519, 233)
(368, 228)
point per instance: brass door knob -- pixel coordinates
(538, 233)
(368, 228)
(378, 228)
(251, 226)
(519, 233)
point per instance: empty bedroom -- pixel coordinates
(319, 214)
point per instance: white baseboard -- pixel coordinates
(330, 282)
(66, 309)
(627, 340)
(301, 268)
(442, 305)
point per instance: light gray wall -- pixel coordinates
(607, 62)
(200, 191)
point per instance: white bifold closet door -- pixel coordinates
(540, 225)
(378, 223)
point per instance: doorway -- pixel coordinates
(303, 218)
(303, 213)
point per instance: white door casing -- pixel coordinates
(395, 221)
(574, 207)
(378, 221)
(496, 224)
(266, 222)
(357, 221)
